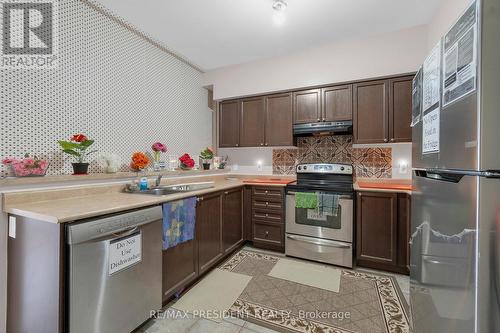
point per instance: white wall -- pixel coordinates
(445, 16)
(393, 53)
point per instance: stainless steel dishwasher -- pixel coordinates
(115, 271)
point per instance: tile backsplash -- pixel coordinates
(370, 162)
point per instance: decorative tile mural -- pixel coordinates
(367, 162)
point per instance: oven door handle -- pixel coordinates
(340, 196)
(322, 242)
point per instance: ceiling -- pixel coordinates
(218, 33)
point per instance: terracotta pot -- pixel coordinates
(80, 168)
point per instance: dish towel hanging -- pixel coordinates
(179, 220)
(328, 204)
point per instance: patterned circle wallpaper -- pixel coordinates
(111, 84)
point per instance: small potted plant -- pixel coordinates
(27, 166)
(186, 162)
(158, 148)
(77, 147)
(140, 161)
(206, 156)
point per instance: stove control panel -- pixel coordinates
(343, 169)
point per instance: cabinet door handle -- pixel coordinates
(226, 193)
(392, 140)
(266, 144)
(261, 144)
(267, 234)
(385, 140)
(199, 199)
(265, 192)
(267, 203)
(319, 119)
(237, 145)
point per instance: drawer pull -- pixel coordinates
(321, 242)
(267, 215)
(267, 203)
(265, 192)
(267, 234)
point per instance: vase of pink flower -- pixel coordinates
(27, 166)
(158, 148)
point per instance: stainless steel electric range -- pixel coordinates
(321, 237)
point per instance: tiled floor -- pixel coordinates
(173, 322)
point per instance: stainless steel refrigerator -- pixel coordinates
(455, 228)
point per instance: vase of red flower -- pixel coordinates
(77, 147)
(186, 162)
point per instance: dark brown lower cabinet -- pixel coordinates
(220, 230)
(232, 219)
(180, 267)
(382, 227)
(209, 231)
(267, 216)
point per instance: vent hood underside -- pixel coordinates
(323, 128)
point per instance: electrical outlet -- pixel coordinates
(12, 226)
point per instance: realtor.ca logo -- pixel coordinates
(29, 34)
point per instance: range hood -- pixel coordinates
(323, 128)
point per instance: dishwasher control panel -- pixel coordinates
(95, 228)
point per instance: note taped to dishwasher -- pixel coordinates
(124, 252)
(460, 57)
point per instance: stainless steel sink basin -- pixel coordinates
(172, 189)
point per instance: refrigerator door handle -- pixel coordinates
(441, 175)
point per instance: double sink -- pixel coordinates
(173, 189)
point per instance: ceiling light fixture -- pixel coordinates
(279, 7)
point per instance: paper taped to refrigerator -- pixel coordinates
(430, 132)
(459, 57)
(431, 83)
(416, 109)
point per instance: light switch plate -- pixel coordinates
(12, 226)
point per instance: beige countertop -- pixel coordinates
(70, 204)
(382, 182)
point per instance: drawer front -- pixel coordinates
(267, 215)
(268, 233)
(268, 193)
(264, 204)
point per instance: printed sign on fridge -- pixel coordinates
(459, 57)
(430, 132)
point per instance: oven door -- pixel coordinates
(301, 222)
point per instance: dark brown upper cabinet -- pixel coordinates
(400, 109)
(229, 124)
(278, 129)
(307, 106)
(251, 122)
(336, 103)
(382, 110)
(371, 112)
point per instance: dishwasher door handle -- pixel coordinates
(125, 232)
(115, 235)
(321, 242)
